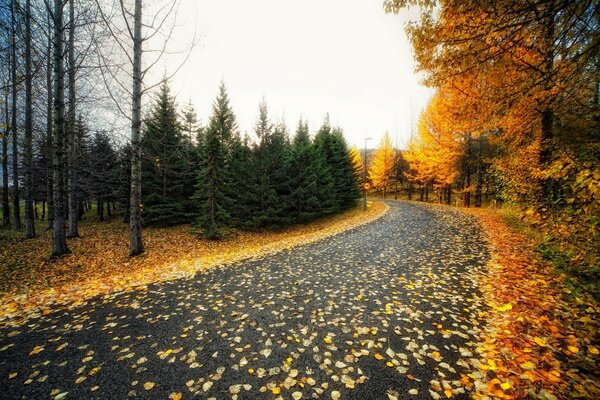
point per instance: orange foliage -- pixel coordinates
(535, 341)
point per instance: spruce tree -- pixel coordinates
(333, 149)
(167, 165)
(304, 176)
(270, 156)
(214, 183)
(242, 190)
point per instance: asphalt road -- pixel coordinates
(388, 310)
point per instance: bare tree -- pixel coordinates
(73, 139)
(130, 39)
(14, 130)
(136, 246)
(59, 238)
(29, 217)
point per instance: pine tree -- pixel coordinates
(270, 157)
(167, 165)
(242, 190)
(304, 176)
(214, 181)
(333, 148)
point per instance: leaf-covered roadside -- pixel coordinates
(32, 284)
(541, 339)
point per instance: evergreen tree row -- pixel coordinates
(222, 180)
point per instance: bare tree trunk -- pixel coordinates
(100, 209)
(29, 215)
(15, 141)
(73, 151)
(135, 219)
(48, 149)
(59, 238)
(5, 200)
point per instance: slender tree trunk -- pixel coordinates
(108, 210)
(29, 214)
(43, 209)
(136, 245)
(49, 139)
(5, 200)
(426, 191)
(59, 238)
(15, 141)
(410, 190)
(100, 209)
(73, 134)
(422, 194)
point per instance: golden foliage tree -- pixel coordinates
(382, 165)
(357, 162)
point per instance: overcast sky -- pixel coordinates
(307, 58)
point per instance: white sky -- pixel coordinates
(307, 58)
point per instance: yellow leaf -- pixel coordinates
(528, 366)
(80, 379)
(540, 341)
(175, 396)
(149, 385)
(276, 390)
(378, 356)
(573, 349)
(327, 340)
(36, 350)
(505, 385)
(448, 393)
(593, 350)
(504, 308)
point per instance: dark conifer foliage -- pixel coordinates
(167, 165)
(305, 176)
(213, 188)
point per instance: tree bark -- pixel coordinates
(49, 139)
(136, 245)
(59, 238)
(29, 214)
(14, 130)
(73, 151)
(5, 200)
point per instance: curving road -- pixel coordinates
(388, 310)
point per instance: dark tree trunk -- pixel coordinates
(422, 194)
(59, 237)
(410, 190)
(43, 209)
(73, 150)
(100, 209)
(49, 138)
(15, 141)
(136, 245)
(5, 199)
(29, 217)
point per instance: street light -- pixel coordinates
(365, 176)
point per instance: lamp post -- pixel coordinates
(365, 176)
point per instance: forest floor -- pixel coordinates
(32, 283)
